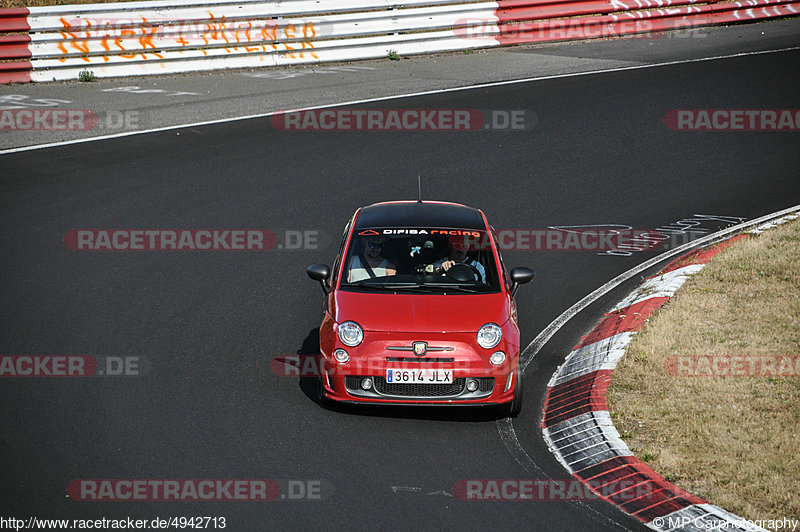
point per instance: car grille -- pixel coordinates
(353, 382)
(419, 390)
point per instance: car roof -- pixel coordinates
(420, 215)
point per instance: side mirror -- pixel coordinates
(519, 275)
(321, 273)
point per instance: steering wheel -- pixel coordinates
(463, 272)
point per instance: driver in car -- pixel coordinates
(458, 254)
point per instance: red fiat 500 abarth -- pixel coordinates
(420, 310)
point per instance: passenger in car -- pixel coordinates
(369, 261)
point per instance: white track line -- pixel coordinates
(505, 427)
(384, 98)
(548, 332)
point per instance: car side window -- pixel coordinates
(340, 253)
(506, 278)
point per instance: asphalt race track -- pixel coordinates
(206, 325)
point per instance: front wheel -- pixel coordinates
(514, 407)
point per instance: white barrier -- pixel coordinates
(164, 37)
(139, 38)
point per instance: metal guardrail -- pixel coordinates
(159, 37)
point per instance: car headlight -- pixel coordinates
(489, 335)
(341, 356)
(350, 333)
(497, 358)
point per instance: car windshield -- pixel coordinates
(430, 260)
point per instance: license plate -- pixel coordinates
(419, 376)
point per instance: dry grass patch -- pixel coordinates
(731, 440)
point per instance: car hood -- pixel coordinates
(435, 313)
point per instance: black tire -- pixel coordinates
(321, 399)
(515, 405)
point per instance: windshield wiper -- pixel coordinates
(454, 287)
(365, 286)
(384, 286)
(405, 286)
(424, 287)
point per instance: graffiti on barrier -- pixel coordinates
(148, 39)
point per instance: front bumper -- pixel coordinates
(429, 392)
(495, 385)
